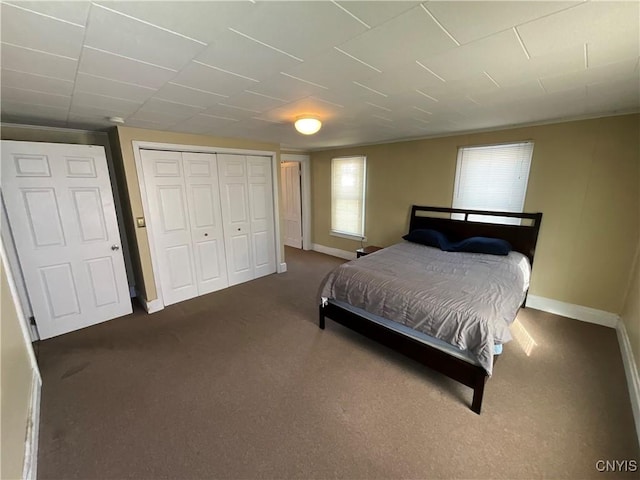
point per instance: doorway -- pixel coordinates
(295, 174)
(291, 204)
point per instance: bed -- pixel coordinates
(447, 310)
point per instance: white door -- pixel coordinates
(291, 204)
(165, 186)
(234, 200)
(182, 191)
(261, 215)
(203, 200)
(62, 216)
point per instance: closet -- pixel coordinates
(212, 220)
(247, 213)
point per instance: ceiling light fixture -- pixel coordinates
(308, 125)
(116, 120)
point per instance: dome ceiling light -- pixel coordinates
(308, 125)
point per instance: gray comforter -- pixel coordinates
(466, 299)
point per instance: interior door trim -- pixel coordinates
(157, 304)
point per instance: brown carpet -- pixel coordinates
(242, 384)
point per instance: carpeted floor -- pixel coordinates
(242, 384)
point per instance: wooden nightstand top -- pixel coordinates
(361, 252)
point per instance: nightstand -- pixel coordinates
(361, 252)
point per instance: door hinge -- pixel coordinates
(32, 320)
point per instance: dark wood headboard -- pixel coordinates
(523, 238)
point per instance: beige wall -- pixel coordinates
(631, 311)
(584, 178)
(24, 133)
(131, 193)
(15, 393)
(293, 152)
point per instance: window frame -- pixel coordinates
(363, 197)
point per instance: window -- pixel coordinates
(347, 196)
(492, 177)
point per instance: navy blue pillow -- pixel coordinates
(493, 246)
(431, 238)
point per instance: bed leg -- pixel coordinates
(478, 393)
(321, 317)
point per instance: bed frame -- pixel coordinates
(523, 238)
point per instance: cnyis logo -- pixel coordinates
(617, 466)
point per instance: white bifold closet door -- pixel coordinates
(246, 194)
(63, 221)
(182, 190)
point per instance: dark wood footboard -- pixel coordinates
(470, 375)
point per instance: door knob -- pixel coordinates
(115, 247)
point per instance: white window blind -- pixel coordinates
(347, 195)
(492, 177)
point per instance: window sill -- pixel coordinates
(348, 236)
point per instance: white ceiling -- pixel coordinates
(372, 71)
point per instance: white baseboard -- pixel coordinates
(334, 252)
(631, 371)
(282, 267)
(30, 467)
(33, 331)
(578, 312)
(153, 306)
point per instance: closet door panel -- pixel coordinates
(179, 265)
(241, 250)
(201, 179)
(166, 193)
(171, 208)
(261, 212)
(235, 216)
(209, 263)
